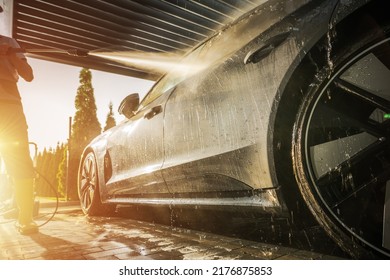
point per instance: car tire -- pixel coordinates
(339, 156)
(88, 188)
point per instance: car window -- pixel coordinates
(217, 48)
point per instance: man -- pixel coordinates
(14, 147)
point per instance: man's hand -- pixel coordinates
(4, 49)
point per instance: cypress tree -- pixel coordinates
(47, 165)
(62, 153)
(40, 184)
(85, 127)
(110, 120)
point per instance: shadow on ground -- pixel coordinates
(243, 224)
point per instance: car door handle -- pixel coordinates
(153, 112)
(256, 55)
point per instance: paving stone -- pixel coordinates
(72, 236)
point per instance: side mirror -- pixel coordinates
(129, 105)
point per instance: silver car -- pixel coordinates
(285, 110)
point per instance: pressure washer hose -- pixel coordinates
(56, 207)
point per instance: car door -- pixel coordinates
(136, 153)
(216, 121)
(204, 140)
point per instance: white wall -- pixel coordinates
(6, 17)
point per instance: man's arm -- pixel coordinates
(21, 65)
(24, 69)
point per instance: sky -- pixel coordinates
(48, 100)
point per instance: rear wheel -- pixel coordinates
(341, 137)
(88, 187)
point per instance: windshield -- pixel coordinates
(181, 71)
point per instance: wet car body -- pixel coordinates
(226, 130)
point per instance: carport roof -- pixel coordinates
(162, 26)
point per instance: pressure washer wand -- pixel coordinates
(72, 52)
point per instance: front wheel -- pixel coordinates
(88, 188)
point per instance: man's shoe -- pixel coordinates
(24, 196)
(26, 229)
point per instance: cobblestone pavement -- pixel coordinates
(72, 236)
